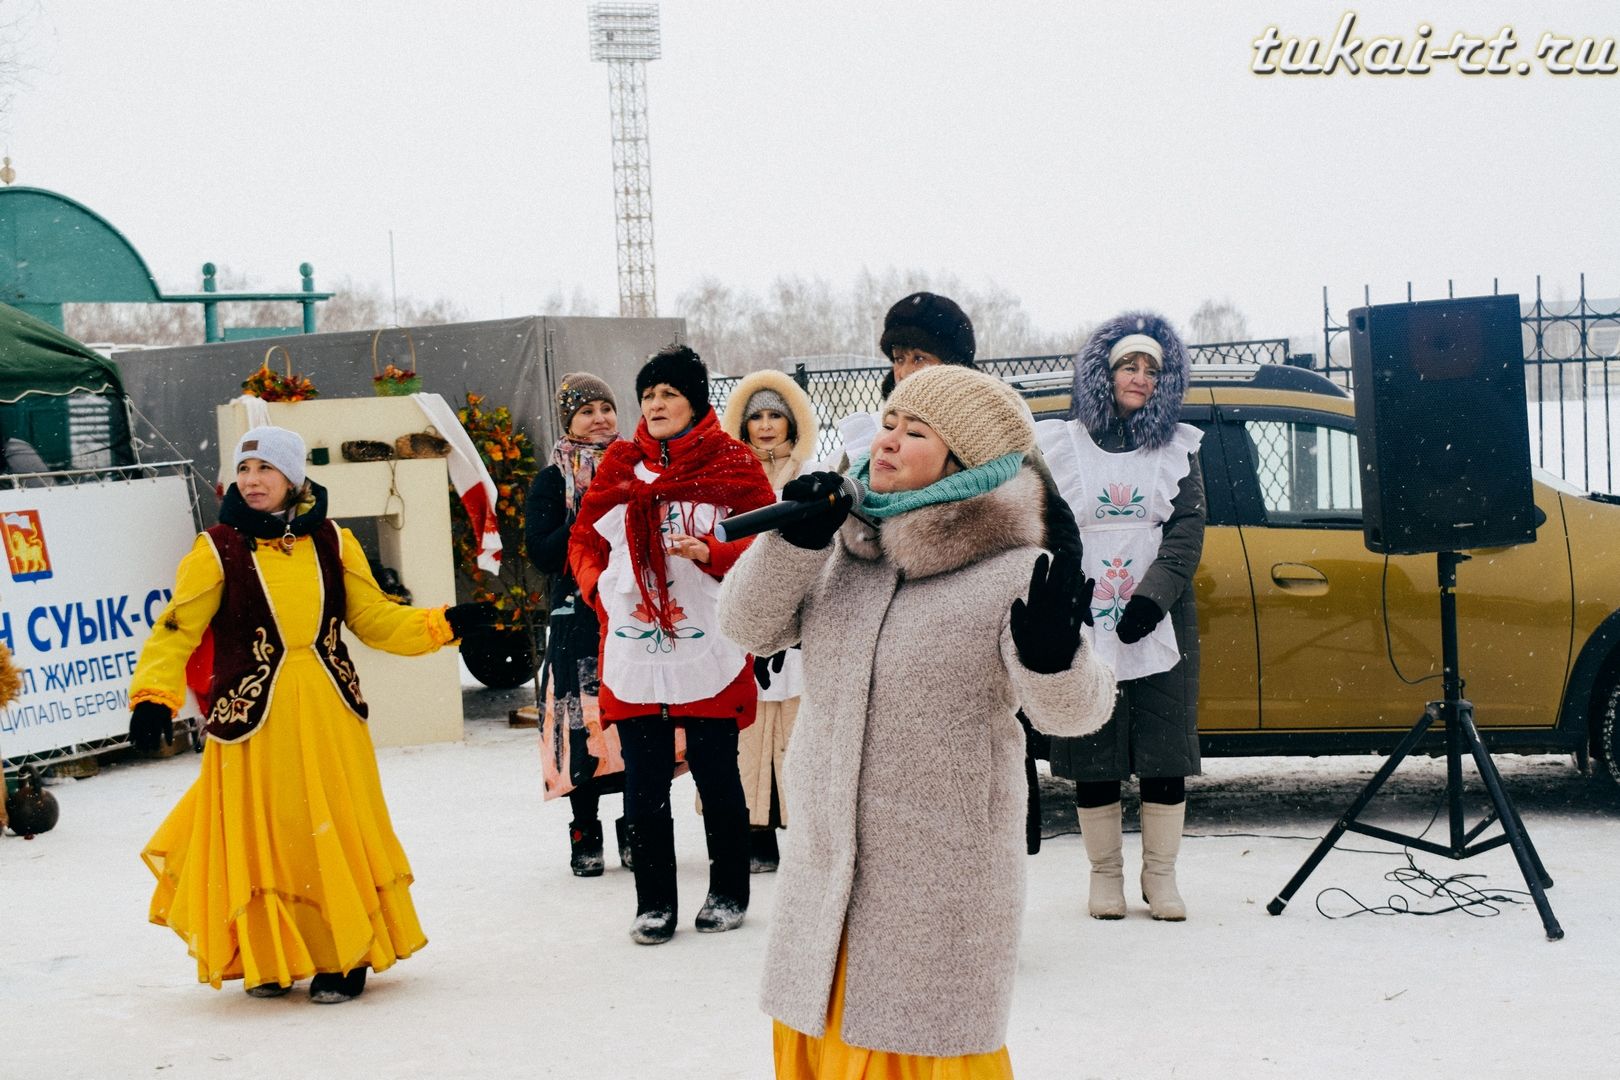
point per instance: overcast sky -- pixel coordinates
(1085, 156)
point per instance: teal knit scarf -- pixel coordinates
(953, 488)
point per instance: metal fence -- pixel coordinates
(1571, 372)
(838, 392)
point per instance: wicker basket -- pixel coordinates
(391, 381)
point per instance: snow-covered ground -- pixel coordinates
(530, 972)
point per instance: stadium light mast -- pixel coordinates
(625, 37)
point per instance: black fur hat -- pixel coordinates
(929, 322)
(681, 368)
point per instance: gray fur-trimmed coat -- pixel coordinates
(906, 768)
(1154, 729)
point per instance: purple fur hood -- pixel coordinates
(1092, 402)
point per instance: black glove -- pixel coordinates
(471, 619)
(1140, 617)
(764, 665)
(150, 724)
(815, 533)
(1046, 626)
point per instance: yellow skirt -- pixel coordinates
(804, 1057)
(280, 862)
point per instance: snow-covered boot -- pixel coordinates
(1161, 840)
(653, 842)
(268, 990)
(330, 988)
(763, 854)
(1100, 829)
(727, 901)
(585, 844)
(621, 829)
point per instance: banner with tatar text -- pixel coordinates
(88, 569)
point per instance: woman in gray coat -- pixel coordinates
(1130, 470)
(929, 620)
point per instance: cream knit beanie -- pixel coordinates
(980, 417)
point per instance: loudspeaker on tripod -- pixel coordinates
(1442, 424)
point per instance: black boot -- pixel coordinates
(622, 829)
(763, 854)
(585, 842)
(652, 842)
(330, 988)
(268, 990)
(727, 901)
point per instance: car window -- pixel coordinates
(1307, 473)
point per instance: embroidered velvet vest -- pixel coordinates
(246, 664)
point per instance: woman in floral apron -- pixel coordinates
(1130, 471)
(644, 556)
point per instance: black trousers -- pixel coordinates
(1167, 790)
(648, 746)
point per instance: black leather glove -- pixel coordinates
(764, 665)
(151, 724)
(470, 619)
(1141, 615)
(815, 533)
(1046, 625)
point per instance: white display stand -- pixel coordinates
(413, 699)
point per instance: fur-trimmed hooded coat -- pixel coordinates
(906, 770)
(762, 746)
(790, 462)
(1154, 730)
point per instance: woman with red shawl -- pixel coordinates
(644, 557)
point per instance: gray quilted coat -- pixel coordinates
(906, 768)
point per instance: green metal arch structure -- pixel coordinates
(56, 251)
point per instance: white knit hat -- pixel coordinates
(1135, 343)
(980, 417)
(276, 446)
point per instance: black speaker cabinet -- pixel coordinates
(1442, 425)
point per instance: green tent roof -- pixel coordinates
(37, 358)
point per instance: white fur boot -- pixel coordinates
(1161, 840)
(1099, 828)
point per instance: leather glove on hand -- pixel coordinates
(1046, 625)
(150, 724)
(764, 665)
(1140, 617)
(816, 532)
(471, 619)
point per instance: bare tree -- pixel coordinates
(1216, 321)
(353, 307)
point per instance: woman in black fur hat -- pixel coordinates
(921, 330)
(1130, 470)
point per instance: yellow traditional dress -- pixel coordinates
(807, 1057)
(280, 862)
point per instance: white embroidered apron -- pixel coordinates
(640, 662)
(1120, 502)
(856, 432)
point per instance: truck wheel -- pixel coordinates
(1609, 737)
(500, 661)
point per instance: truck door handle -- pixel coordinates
(1299, 578)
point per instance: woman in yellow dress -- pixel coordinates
(280, 862)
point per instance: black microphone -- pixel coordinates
(783, 513)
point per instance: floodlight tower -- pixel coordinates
(625, 37)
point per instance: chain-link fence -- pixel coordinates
(838, 392)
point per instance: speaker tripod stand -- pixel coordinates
(1457, 715)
